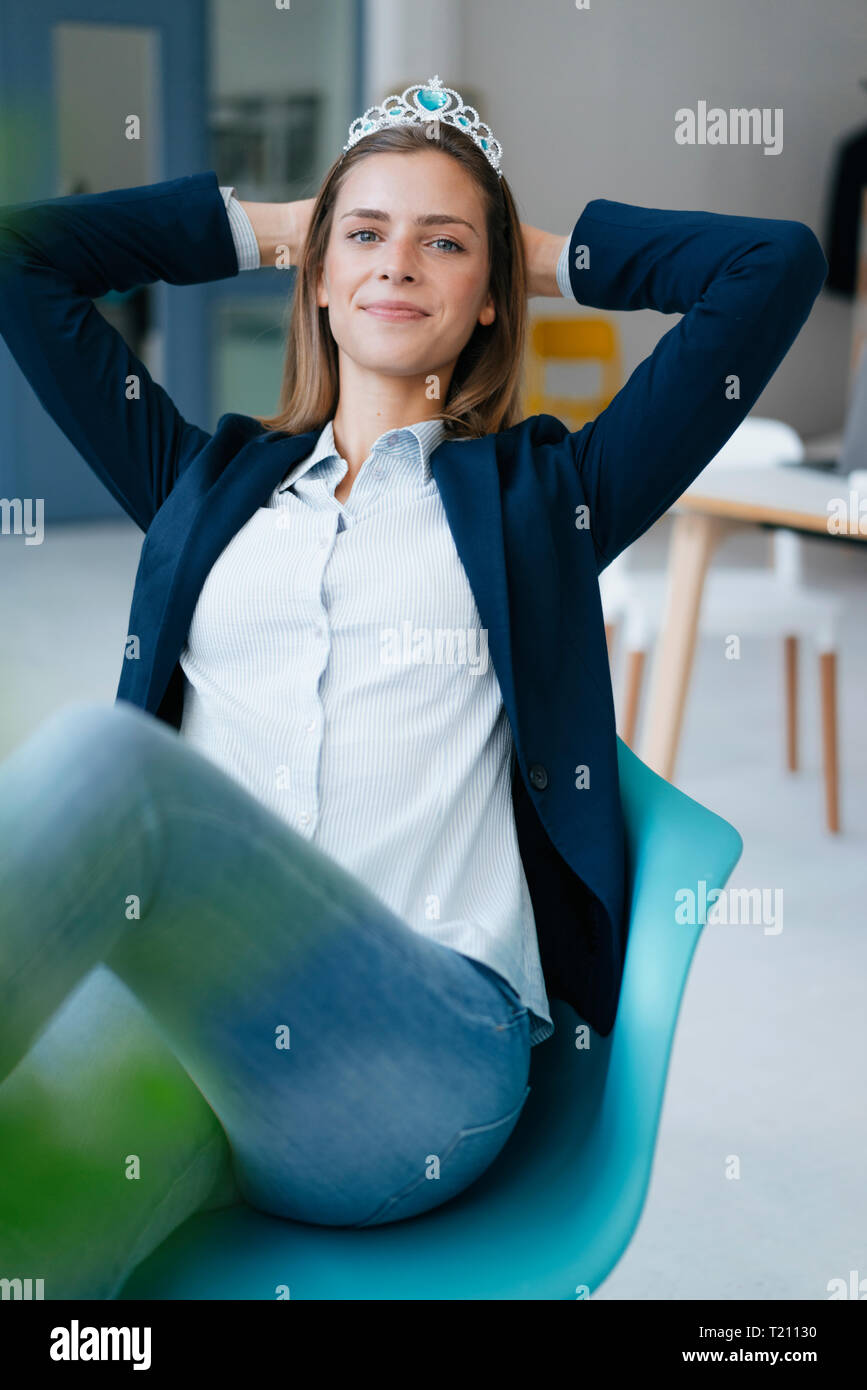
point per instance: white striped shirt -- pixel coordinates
(336, 667)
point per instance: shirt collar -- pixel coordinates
(413, 441)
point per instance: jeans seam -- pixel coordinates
(453, 1143)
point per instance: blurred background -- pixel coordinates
(583, 100)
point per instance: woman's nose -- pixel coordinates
(398, 262)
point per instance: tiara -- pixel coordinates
(432, 102)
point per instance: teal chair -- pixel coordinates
(554, 1213)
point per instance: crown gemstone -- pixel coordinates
(431, 100)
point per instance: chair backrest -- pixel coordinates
(759, 442)
(571, 339)
(574, 1174)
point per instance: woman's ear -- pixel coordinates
(321, 290)
(487, 313)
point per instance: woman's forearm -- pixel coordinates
(543, 252)
(280, 229)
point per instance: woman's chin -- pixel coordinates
(387, 364)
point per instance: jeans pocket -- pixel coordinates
(468, 1154)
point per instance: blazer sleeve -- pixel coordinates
(56, 257)
(744, 285)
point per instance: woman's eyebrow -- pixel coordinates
(428, 219)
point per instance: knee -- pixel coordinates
(88, 719)
(118, 731)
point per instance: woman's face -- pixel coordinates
(411, 228)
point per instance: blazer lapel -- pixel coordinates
(195, 527)
(467, 477)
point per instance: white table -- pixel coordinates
(720, 501)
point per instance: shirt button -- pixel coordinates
(391, 440)
(538, 776)
(377, 472)
(324, 543)
(304, 817)
(311, 726)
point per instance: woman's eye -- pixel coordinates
(449, 245)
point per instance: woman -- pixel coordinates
(340, 889)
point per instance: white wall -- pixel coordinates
(408, 43)
(583, 102)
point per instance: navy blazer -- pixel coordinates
(536, 511)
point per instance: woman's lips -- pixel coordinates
(382, 311)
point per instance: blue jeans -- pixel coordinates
(199, 1007)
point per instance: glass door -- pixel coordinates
(94, 95)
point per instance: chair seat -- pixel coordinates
(521, 1231)
(551, 1217)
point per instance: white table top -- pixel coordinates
(793, 495)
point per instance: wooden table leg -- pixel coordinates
(828, 675)
(693, 541)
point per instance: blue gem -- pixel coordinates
(484, 144)
(431, 100)
(463, 120)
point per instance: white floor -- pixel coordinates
(768, 1061)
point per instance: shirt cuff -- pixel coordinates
(246, 245)
(563, 282)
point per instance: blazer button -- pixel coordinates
(538, 776)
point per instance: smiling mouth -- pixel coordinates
(382, 311)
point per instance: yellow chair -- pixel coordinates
(571, 340)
